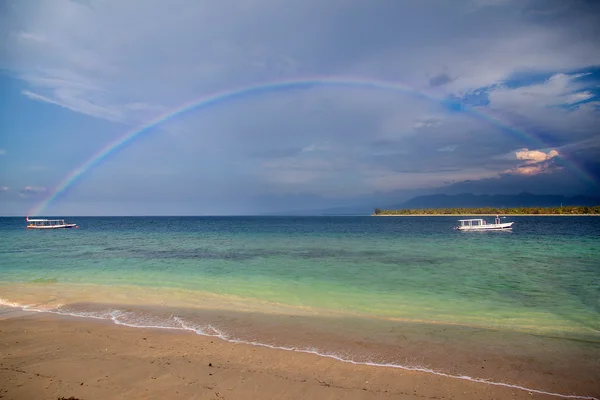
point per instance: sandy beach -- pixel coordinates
(49, 356)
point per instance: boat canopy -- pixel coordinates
(42, 223)
(472, 222)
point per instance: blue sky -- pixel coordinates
(76, 75)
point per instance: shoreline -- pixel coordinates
(87, 341)
(485, 215)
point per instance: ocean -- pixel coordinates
(518, 307)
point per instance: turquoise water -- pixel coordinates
(543, 278)
(547, 269)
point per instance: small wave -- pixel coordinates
(8, 303)
(130, 319)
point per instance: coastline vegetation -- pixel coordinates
(566, 210)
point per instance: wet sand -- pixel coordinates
(47, 356)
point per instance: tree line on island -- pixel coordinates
(566, 210)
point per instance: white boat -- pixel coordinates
(48, 224)
(479, 224)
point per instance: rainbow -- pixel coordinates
(270, 87)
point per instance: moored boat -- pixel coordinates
(48, 224)
(479, 224)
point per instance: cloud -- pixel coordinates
(450, 147)
(70, 100)
(140, 106)
(440, 80)
(388, 181)
(561, 181)
(529, 170)
(186, 60)
(33, 37)
(462, 109)
(2, 152)
(559, 89)
(490, 3)
(427, 123)
(534, 156)
(315, 147)
(579, 97)
(556, 111)
(535, 162)
(296, 170)
(31, 191)
(4, 188)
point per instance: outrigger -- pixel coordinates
(480, 224)
(48, 224)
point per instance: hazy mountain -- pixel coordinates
(464, 200)
(467, 200)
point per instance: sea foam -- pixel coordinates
(133, 320)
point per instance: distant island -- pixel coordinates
(566, 210)
(471, 204)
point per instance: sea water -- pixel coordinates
(403, 291)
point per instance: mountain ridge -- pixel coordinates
(469, 200)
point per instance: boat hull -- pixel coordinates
(487, 227)
(65, 226)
